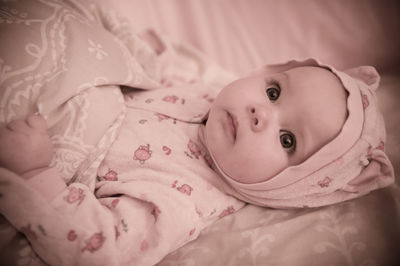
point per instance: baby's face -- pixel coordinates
(260, 125)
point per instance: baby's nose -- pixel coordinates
(260, 116)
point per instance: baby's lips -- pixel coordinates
(235, 123)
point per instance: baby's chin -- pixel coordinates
(240, 174)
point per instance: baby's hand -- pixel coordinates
(25, 146)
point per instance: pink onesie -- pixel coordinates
(154, 192)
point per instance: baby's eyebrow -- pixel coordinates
(283, 79)
(285, 75)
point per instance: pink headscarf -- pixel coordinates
(351, 165)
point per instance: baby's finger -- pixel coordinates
(37, 122)
(18, 126)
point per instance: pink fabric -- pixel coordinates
(350, 166)
(152, 195)
(47, 183)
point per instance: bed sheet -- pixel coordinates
(243, 35)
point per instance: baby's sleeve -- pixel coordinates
(70, 226)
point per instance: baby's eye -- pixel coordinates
(273, 93)
(288, 141)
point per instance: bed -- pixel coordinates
(237, 36)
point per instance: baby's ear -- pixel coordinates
(367, 74)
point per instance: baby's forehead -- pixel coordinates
(313, 72)
(318, 78)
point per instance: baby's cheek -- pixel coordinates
(259, 166)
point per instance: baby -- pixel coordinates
(299, 134)
(288, 116)
(321, 132)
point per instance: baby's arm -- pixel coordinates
(119, 225)
(69, 225)
(25, 146)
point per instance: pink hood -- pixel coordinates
(351, 165)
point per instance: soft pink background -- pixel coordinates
(241, 34)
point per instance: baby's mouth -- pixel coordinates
(233, 124)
